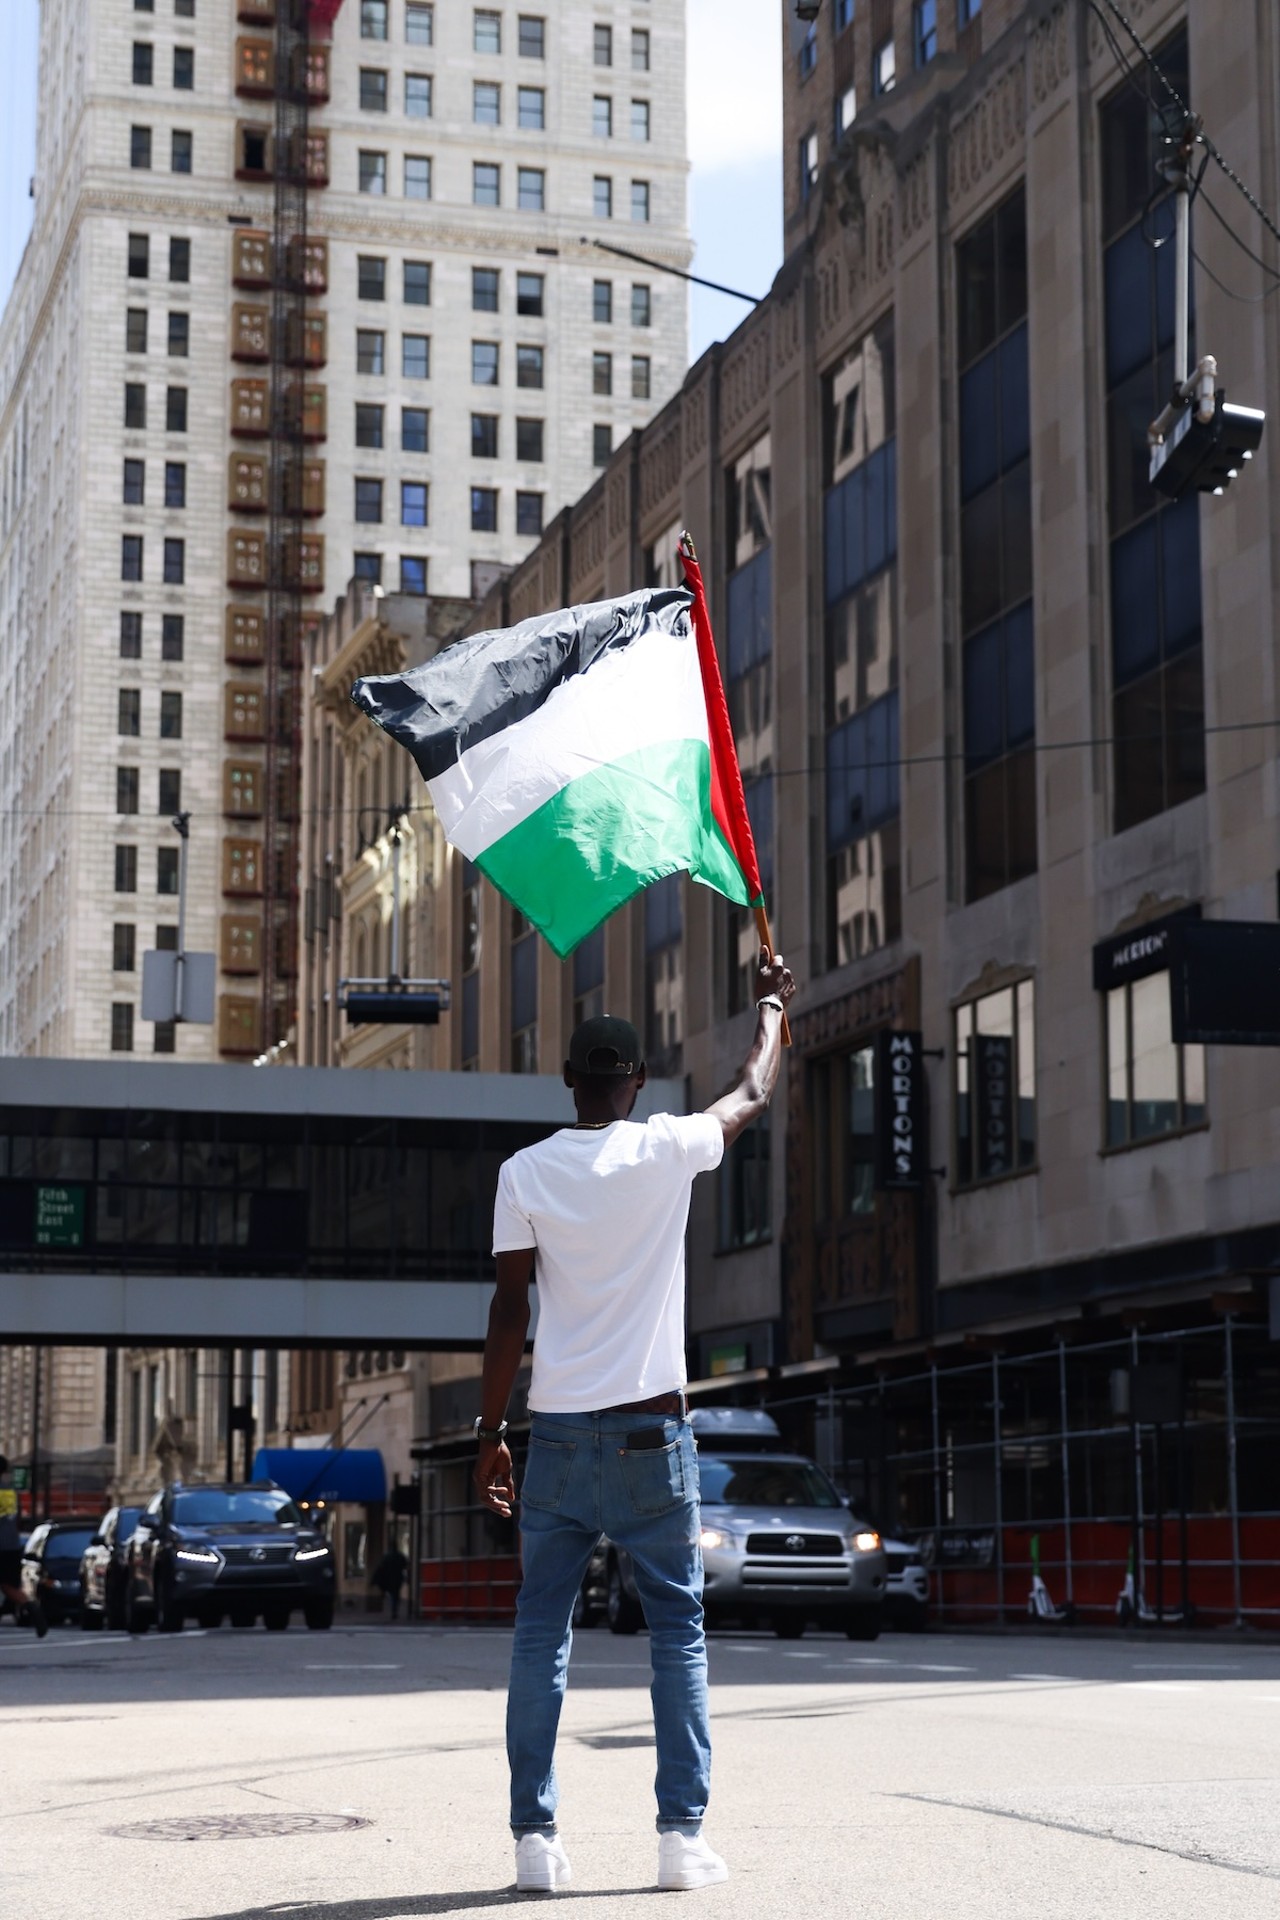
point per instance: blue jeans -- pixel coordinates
(581, 1480)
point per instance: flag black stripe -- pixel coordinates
(478, 686)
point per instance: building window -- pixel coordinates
(860, 542)
(129, 712)
(413, 503)
(602, 197)
(175, 483)
(532, 37)
(417, 177)
(369, 501)
(368, 425)
(131, 556)
(529, 366)
(1157, 664)
(184, 68)
(883, 73)
(484, 510)
(639, 202)
(140, 148)
(602, 46)
(417, 96)
(602, 302)
(808, 165)
(807, 58)
(172, 636)
(842, 1122)
(997, 629)
(484, 363)
(524, 995)
(130, 636)
(367, 568)
(602, 116)
(588, 978)
(602, 373)
(139, 256)
(179, 261)
(531, 190)
(175, 409)
(373, 90)
(486, 184)
(373, 19)
(529, 514)
(169, 791)
(126, 869)
(419, 24)
(531, 106)
(179, 335)
(413, 574)
(124, 947)
(370, 346)
(175, 563)
(487, 32)
(135, 483)
(601, 444)
(417, 283)
(135, 330)
(122, 1030)
(663, 975)
(166, 870)
(640, 50)
(846, 110)
(639, 119)
(164, 1036)
(180, 151)
(641, 306)
(484, 289)
(486, 103)
(371, 278)
(126, 789)
(745, 1213)
(143, 63)
(844, 15)
(529, 439)
(530, 295)
(372, 171)
(484, 436)
(1154, 1086)
(967, 10)
(924, 30)
(171, 716)
(641, 372)
(995, 1085)
(415, 356)
(414, 434)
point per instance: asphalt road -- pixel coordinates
(360, 1775)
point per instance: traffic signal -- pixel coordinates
(1206, 455)
(396, 1006)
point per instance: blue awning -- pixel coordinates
(353, 1474)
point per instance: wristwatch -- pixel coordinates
(769, 1000)
(489, 1433)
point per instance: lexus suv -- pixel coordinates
(239, 1551)
(779, 1544)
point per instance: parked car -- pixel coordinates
(104, 1569)
(51, 1566)
(906, 1588)
(234, 1550)
(779, 1544)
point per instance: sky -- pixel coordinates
(735, 144)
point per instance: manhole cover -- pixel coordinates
(238, 1826)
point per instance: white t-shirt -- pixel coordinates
(605, 1211)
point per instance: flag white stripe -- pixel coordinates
(648, 693)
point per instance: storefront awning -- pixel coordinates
(352, 1474)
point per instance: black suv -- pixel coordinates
(239, 1550)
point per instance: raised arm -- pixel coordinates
(744, 1103)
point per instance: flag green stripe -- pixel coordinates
(596, 842)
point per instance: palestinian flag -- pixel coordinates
(580, 756)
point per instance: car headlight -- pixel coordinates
(716, 1537)
(867, 1541)
(197, 1556)
(311, 1553)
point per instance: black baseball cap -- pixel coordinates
(606, 1047)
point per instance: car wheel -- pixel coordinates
(275, 1619)
(863, 1623)
(621, 1611)
(137, 1619)
(318, 1615)
(168, 1612)
(788, 1626)
(90, 1620)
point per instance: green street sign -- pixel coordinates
(59, 1216)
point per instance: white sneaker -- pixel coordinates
(542, 1865)
(685, 1863)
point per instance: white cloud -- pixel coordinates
(735, 82)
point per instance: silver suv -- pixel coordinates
(779, 1545)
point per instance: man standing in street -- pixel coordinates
(24, 1611)
(597, 1215)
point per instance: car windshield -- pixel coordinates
(765, 1483)
(245, 1507)
(67, 1544)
